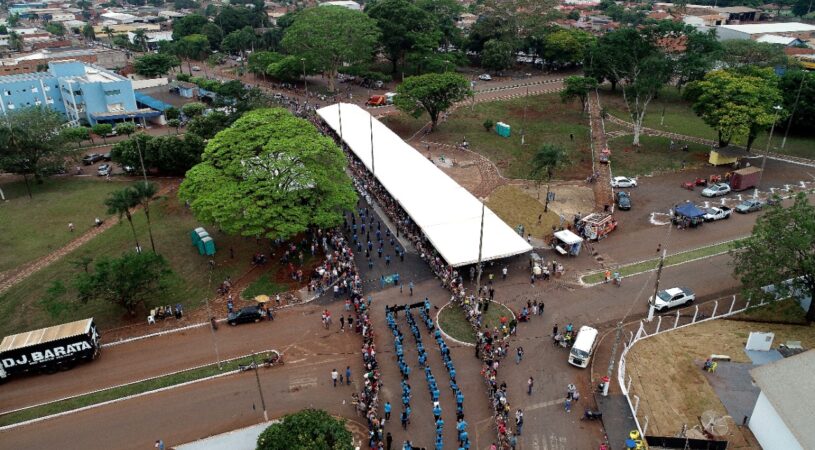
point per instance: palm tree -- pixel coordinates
(15, 41)
(88, 32)
(140, 39)
(548, 158)
(109, 32)
(119, 202)
(144, 192)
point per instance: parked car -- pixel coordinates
(623, 182)
(196, 69)
(749, 206)
(717, 213)
(244, 315)
(106, 157)
(716, 190)
(104, 170)
(485, 77)
(623, 200)
(130, 170)
(91, 159)
(673, 297)
(376, 100)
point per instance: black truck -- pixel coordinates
(49, 349)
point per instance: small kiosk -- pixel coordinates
(567, 243)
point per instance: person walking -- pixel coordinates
(404, 419)
(519, 421)
(554, 330)
(410, 286)
(504, 273)
(334, 376)
(529, 385)
(519, 355)
(347, 375)
(388, 411)
(388, 441)
(342, 323)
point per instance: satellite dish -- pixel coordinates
(714, 424)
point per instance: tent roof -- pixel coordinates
(448, 214)
(568, 237)
(689, 210)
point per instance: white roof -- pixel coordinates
(776, 39)
(762, 28)
(344, 3)
(568, 237)
(448, 214)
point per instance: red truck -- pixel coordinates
(745, 178)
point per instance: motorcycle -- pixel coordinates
(591, 415)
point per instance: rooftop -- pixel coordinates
(789, 386)
(736, 10)
(776, 39)
(764, 28)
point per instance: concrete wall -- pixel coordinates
(725, 34)
(772, 433)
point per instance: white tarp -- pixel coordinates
(447, 213)
(568, 238)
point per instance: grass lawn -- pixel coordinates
(680, 118)
(671, 260)
(265, 286)
(653, 155)
(547, 121)
(122, 391)
(32, 228)
(453, 322)
(681, 393)
(516, 207)
(23, 307)
(783, 311)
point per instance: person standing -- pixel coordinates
(529, 385)
(504, 272)
(519, 421)
(388, 411)
(334, 376)
(347, 375)
(388, 441)
(159, 444)
(410, 286)
(519, 355)
(554, 330)
(342, 323)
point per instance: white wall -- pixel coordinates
(772, 433)
(725, 34)
(148, 83)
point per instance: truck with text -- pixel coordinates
(49, 349)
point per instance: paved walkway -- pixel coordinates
(35, 266)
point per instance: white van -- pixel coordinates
(583, 347)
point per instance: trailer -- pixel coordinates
(49, 349)
(745, 178)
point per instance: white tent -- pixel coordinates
(448, 214)
(572, 241)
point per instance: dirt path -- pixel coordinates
(35, 266)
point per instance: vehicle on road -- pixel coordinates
(583, 347)
(104, 170)
(623, 200)
(376, 100)
(49, 349)
(485, 77)
(245, 315)
(716, 190)
(717, 213)
(671, 298)
(91, 158)
(749, 206)
(623, 182)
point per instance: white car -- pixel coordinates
(716, 190)
(717, 213)
(623, 182)
(485, 77)
(670, 298)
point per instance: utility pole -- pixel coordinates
(651, 304)
(260, 390)
(777, 109)
(523, 130)
(794, 107)
(305, 81)
(371, 124)
(339, 111)
(480, 246)
(212, 318)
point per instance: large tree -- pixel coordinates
(746, 52)
(577, 87)
(330, 36)
(120, 202)
(735, 103)
(129, 281)
(32, 144)
(798, 89)
(433, 93)
(446, 13)
(310, 429)
(780, 249)
(269, 174)
(632, 56)
(497, 55)
(567, 46)
(405, 27)
(194, 47)
(187, 25)
(154, 64)
(170, 155)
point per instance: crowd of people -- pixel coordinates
(338, 268)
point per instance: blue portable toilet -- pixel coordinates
(209, 246)
(502, 129)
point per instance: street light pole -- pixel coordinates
(777, 109)
(480, 246)
(651, 304)
(794, 108)
(260, 390)
(305, 82)
(209, 313)
(523, 130)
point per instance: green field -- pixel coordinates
(653, 155)
(680, 118)
(23, 307)
(31, 228)
(546, 120)
(453, 322)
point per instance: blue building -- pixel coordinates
(83, 92)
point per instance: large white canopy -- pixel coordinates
(447, 213)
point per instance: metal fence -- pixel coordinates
(717, 309)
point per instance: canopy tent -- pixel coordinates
(448, 215)
(689, 210)
(570, 240)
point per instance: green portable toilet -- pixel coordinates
(194, 234)
(202, 234)
(200, 246)
(209, 246)
(502, 129)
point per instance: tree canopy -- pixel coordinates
(433, 93)
(330, 36)
(497, 55)
(791, 230)
(802, 107)
(269, 174)
(167, 154)
(406, 28)
(155, 64)
(577, 87)
(310, 429)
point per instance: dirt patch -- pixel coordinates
(570, 198)
(515, 208)
(667, 377)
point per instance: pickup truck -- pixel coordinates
(717, 213)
